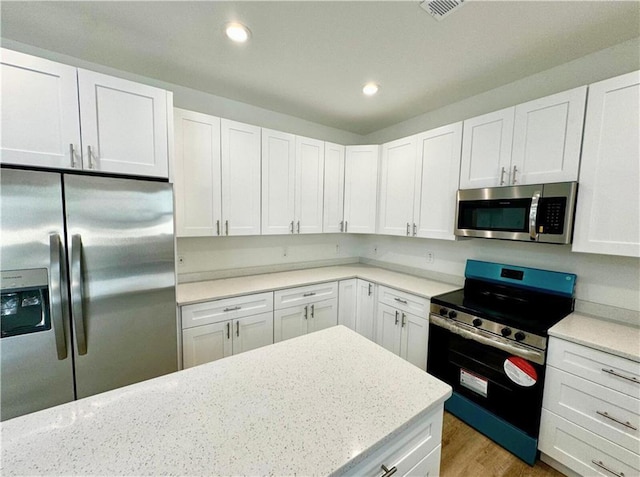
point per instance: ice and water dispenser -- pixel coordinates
(25, 302)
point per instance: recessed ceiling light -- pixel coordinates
(237, 32)
(370, 89)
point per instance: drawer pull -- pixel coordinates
(602, 466)
(309, 294)
(404, 302)
(626, 424)
(388, 472)
(233, 308)
(633, 379)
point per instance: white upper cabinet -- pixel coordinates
(608, 204)
(240, 178)
(333, 221)
(40, 122)
(278, 182)
(486, 150)
(292, 183)
(361, 189)
(531, 143)
(399, 182)
(197, 183)
(546, 138)
(124, 126)
(309, 186)
(435, 200)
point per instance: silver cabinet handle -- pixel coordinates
(415, 230)
(370, 287)
(298, 226)
(309, 294)
(57, 297)
(342, 226)
(228, 330)
(397, 313)
(76, 293)
(226, 227)
(408, 226)
(233, 308)
(404, 320)
(346, 226)
(237, 328)
(72, 152)
(502, 176)
(600, 464)
(625, 424)
(292, 226)
(306, 311)
(90, 156)
(633, 379)
(312, 310)
(513, 178)
(404, 302)
(388, 472)
(218, 227)
(533, 215)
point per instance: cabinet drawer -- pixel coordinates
(427, 467)
(603, 368)
(226, 309)
(608, 413)
(582, 450)
(308, 294)
(407, 451)
(404, 301)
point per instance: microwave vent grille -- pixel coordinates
(439, 9)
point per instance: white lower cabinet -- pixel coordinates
(399, 328)
(357, 306)
(591, 411)
(220, 328)
(304, 310)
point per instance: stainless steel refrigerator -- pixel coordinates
(87, 285)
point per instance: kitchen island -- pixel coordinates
(330, 402)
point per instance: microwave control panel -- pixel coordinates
(551, 215)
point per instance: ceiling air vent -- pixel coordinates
(439, 9)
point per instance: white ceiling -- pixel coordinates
(310, 59)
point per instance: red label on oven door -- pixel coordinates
(520, 371)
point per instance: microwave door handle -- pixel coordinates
(76, 293)
(533, 215)
(57, 297)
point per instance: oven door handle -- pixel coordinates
(489, 340)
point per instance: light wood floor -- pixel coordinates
(467, 453)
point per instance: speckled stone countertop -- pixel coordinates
(615, 338)
(312, 405)
(196, 292)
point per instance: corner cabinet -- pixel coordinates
(608, 208)
(357, 306)
(531, 143)
(361, 189)
(333, 213)
(84, 120)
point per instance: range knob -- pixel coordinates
(519, 336)
(443, 311)
(452, 314)
(477, 322)
(505, 332)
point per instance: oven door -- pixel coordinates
(506, 385)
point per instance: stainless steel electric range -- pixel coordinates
(489, 341)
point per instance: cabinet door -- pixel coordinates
(347, 309)
(240, 178)
(40, 119)
(206, 343)
(252, 332)
(399, 174)
(435, 207)
(547, 136)
(415, 336)
(486, 150)
(361, 189)
(124, 126)
(197, 183)
(290, 322)
(366, 309)
(309, 185)
(608, 209)
(333, 221)
(278, 182)
(388, 332)
(323, 314)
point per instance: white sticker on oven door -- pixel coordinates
(520, 371)
(473, 382)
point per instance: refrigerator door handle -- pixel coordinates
(57, 297)
(76, 293)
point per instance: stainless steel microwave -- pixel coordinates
(532, 213)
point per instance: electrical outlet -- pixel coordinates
(180, 260)
(284, 251)
(430, 256)
(375, 250)
(337, 249)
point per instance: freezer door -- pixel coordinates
(122, 280)
(36, 366)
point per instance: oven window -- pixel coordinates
(509, 215)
